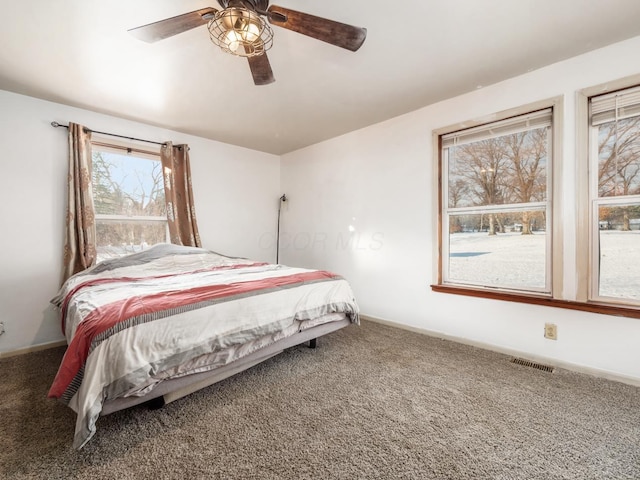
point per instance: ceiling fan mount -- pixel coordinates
(242, 28)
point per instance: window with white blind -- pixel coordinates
(496, 204)
(502, 227)
(129, 202)
(614, 197)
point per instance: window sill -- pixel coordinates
(604, 309)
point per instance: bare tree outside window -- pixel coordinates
(505, 170)
(619, 158)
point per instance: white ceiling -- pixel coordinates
(417, 52)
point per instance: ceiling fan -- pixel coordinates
(239, 29)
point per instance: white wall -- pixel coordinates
(381, 181)
(236, 193)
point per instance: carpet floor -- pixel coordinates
(371, 402)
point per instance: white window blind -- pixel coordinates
(615, 106)
(522, 123)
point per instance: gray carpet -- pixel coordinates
(370, 402)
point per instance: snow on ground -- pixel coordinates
(518, 261)
(620, 264)
(508, 259)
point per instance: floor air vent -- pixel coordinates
(528, 363)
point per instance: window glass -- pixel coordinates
(117, 238)
(619, 158)
(619, 251)
(508, 259)
(506, 169)
(128, 194)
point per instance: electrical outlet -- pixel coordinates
(551, 331)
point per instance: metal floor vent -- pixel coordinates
(528, 363)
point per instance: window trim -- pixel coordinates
(554, 176)
(135, 218)
(593, 307)
(118, 148)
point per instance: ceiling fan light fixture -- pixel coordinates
(240, 31)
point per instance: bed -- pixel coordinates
(157, 325)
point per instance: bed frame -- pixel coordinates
(170, 390)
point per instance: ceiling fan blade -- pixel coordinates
(172, 26)
(261, 69)
(335, 33)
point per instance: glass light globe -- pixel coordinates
(233, 39)
(251, 32)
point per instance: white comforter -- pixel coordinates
(129, 321)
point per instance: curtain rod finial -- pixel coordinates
(55, 124)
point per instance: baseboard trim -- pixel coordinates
(606, 374)
(34, 348)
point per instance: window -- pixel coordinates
(496, 205)
(501, 227)
(614, 197)
(128, 195)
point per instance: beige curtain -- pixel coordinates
(181, 212)
(80, 241)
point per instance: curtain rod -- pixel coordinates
(56, 125)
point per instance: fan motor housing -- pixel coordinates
(254, 5)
